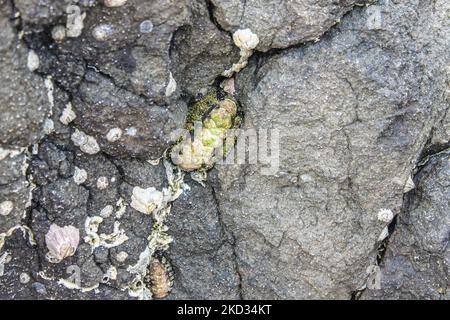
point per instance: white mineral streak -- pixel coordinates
(121, 208)
(50, 89)
(61, 242)
(25, 231)
(114, 239)
(33, 61)
(67, 115)
(73, 286)
(87, 143)
(158, 239)
(4, 259)
(245, 40)
(171, 86)
(11, 153)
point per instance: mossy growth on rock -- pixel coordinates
(208, 122)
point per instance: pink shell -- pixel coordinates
(61, 242)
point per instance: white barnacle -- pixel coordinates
(171, 85)
(114, 3)
(385, 215)
(49, 126)
(102, 183)
(122, 256)
(114, 134)
(146, 26)
(67, 115)
(6, 207)
(33, 61)
(146, 200)
(79, 175)
(245, 40)
(103, 32)
(24, 278)
(87, 143)
(131, 131)
(409, 185)
(107, 211)
(61, 242)
(59, 33)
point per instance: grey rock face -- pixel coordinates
(416, 263)
(280, 24)
(353, 117)
(202, 249)
(23, 105)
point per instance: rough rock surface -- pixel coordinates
(417, 260)
(280, 24)
(353, 116)
(358, 112)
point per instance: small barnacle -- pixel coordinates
(61, 242)
(102, 32)
(146, 26)
(146, 200)
(122, 256)
(24, 278)
(79, 175)
(385, 215)
(246, 40)
(159, 277)
(59, 33)
(68, 115)
(49, 126)
(102, 183)
(409, 185)
(131, 131)
(6, 207)
(106, 211)
(87, 143)
(114, 3)
(33, 61)
(171, 86)
(114, 134)
(384, 233)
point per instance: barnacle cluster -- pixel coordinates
(207, 137)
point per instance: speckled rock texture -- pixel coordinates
(90, 98)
